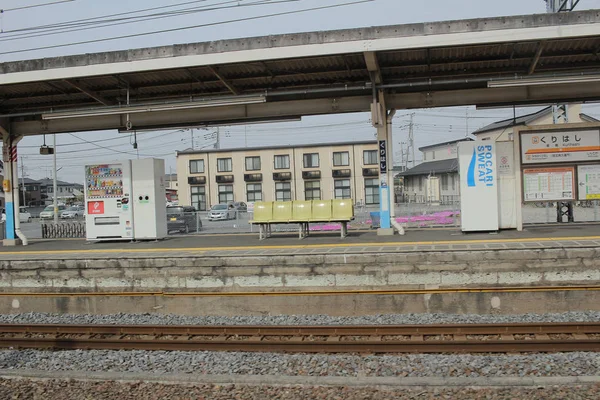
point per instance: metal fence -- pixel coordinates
(411, 215)
(546, 212)
(62, 230)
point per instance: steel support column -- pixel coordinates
(379, 118)
(10, 184)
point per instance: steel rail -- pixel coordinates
(310, 339)
(282, 330)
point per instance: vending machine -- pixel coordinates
(125, 200)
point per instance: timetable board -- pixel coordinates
(549, 184)
(588, 182)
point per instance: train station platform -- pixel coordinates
(241, 245)
(549, 268)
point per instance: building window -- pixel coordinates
(198, 198)
(370, 157)
(282, 162)
(421, 183)
(445, 182)
(312, 190)
(341, 159)
(254, 191)
(371, 191)
(342, 188)
(283, 191)
(224, 165)
(225, 193)
(454, 182)
(311, 160)
(252, 163)
(196, 166)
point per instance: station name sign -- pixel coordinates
(560, 146)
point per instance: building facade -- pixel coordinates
(435, 180)
(309, 172)
(41, 192)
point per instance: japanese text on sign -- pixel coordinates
(565, 146)
(548, 184)
(382, 157)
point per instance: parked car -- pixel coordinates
(182, 219)
(221, 212)
(48, 212)
(24, 214)
(238, 206)
(72, 212)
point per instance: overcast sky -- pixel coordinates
(430, 126)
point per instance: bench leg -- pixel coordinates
(344, 229)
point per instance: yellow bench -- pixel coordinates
(302, 212)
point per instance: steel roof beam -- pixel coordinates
(373, 67)
(536, 58)
(223, 80)
(90, 93)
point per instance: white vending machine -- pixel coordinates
(149, 198)
(125, 200)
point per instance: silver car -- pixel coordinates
(72, 212)
(221, 212)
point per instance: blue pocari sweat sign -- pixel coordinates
(482, 167)
(478, 186)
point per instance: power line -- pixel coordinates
(133, 20)
(187, 27)
(69, 23)
(34, 6)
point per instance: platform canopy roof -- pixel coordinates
(492, 61)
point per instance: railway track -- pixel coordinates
(446, 338)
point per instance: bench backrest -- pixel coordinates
(282, 211)
(342, 209)
(302, 210)
(321, 210)
(263, 211)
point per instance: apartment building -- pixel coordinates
(307, 172)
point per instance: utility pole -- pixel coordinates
(218, 144)
(192, 135)
(54, 184)
(411, 140)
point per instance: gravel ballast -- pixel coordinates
(277, 364)
(384, 319)
(76, 390)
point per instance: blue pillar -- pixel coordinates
(384, 190)
(9, 167)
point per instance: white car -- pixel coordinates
(48, 212)
(24, 215)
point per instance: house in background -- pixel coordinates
(435, 180)
(171, 188)
(502, 131)
(41, 192)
